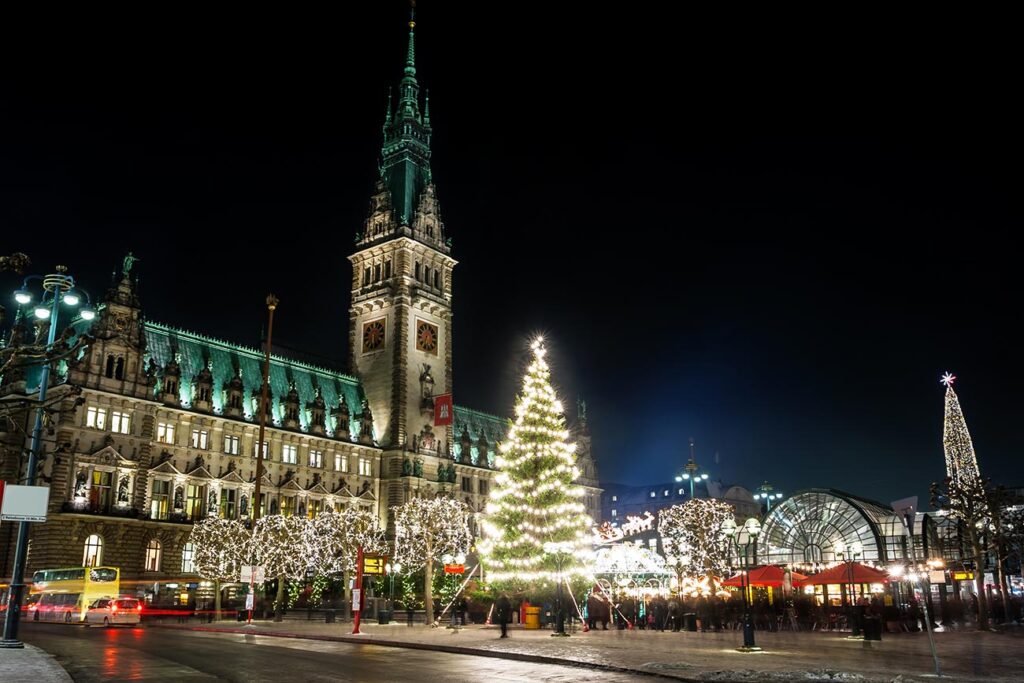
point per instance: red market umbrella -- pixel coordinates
(846, 572)
(769, 575)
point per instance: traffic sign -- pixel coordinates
(24, 503)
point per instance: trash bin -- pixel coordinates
(690, 621)
(329, 616)
(871, 627)
(532, 618)
(383, 616)
(241, 614)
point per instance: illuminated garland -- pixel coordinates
(536, 520)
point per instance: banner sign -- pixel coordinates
(455, 569)
(355, 599)
(937, 576)
(24, 503)
(252, 574)
(963, 576)
(443, 410)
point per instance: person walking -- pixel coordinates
(409, 612)
(504, 610)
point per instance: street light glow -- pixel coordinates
(71, 298)
(23, 296)
(87, 313)
(42, 312)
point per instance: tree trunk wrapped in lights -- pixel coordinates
(426, 530)
(537, 528)
(692, 536)
(219, 550)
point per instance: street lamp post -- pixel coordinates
(767, 493)
(392, 569)
(849, 554)
(690, 473)
(57, 287)
(558, 550)
(742, 544)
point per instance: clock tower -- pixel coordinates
(400, 332)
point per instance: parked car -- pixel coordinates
(114, 611)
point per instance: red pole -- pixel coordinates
(359, 588)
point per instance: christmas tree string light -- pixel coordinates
(961, 461)
(536, 527)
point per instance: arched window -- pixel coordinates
(110, 366)
(93, 556)
(437, 280)
(153, 552)
(188, 565)
(119, 369)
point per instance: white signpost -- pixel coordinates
(24, 503)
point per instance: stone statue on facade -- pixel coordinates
(122, 490)
(406, 467)
(417, 468)
(81, 484)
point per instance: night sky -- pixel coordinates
(771, 238)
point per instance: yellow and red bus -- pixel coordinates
(65, 594)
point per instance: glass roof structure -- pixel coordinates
(813, 526)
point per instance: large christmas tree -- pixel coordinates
(536, 525)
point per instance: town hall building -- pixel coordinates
(156, 427)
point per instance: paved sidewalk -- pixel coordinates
(30, 664)
(966, 656)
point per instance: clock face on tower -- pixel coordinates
(373, 335)
(426, 337)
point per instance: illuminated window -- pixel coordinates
(165, 432)
(153, 552)
(615, 513)
(340, 462)
(666, 493)
(228, 499)
(365, 468)
(289, 454)
(653, 494)
(615, 499)
(256, 448)
(96, 417)
(93, 551)
(680, 492)
(187, 562)
(200, 439)
(316, 458)
(194, 500)
(119, 422)
(287, 505)
(231, 445)
(160, 499)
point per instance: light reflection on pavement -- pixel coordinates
(141, 654)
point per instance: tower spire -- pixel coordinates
(405, 154)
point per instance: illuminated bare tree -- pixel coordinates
(424, 531)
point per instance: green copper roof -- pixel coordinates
(194, 350)
(405, 153)
(493, 428)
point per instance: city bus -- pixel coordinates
(65, 594)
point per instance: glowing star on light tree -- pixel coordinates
(536, 528)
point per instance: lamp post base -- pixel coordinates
(10, 644)
(753, 648)
(556, 634)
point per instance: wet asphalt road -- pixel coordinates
(144, 654)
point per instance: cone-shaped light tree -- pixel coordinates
(536, 527)
(963, 492)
